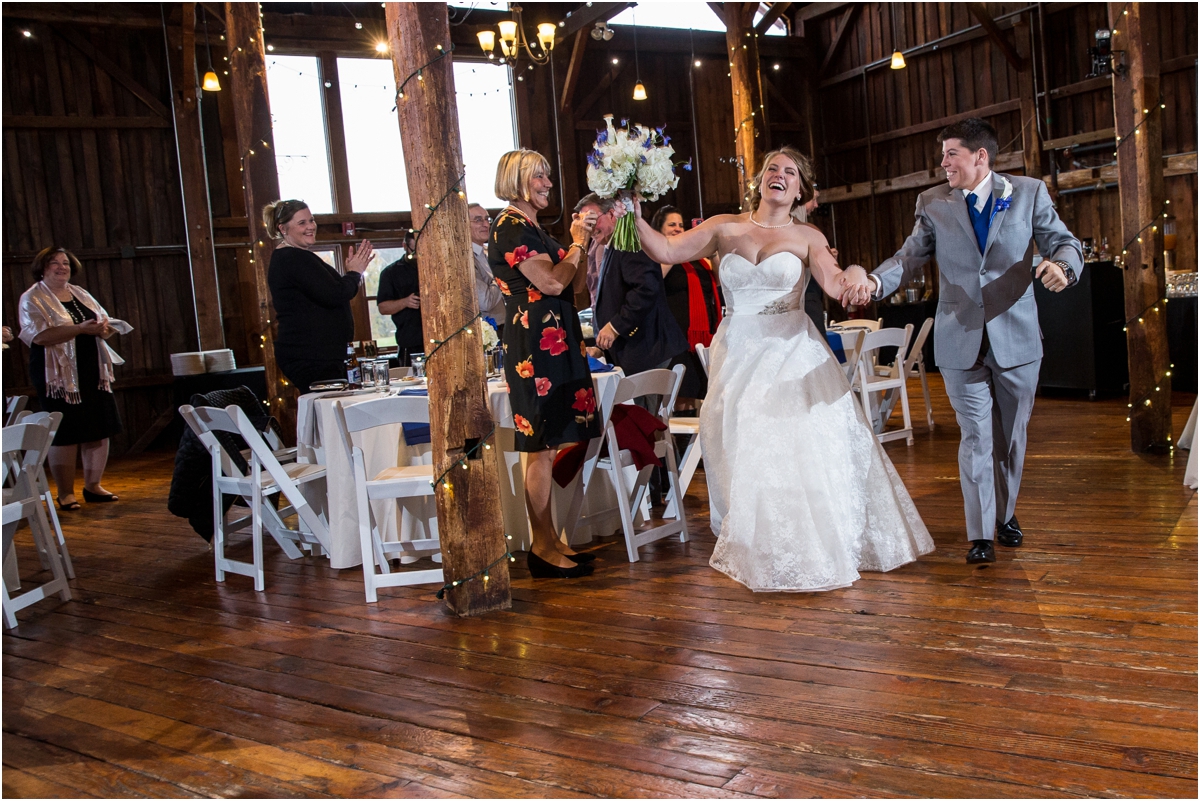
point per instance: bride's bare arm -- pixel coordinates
(822, 264)
(699, 241)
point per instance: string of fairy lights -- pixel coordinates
(1146, 400)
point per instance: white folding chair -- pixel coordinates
(914, 365)
(393, 483)
(266, 477)
(690, 428)
(25, 448)
(871, 378)
(664, 383)
(15, 405)
(51, 420)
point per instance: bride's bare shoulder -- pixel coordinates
(810, 232)
(725, 219)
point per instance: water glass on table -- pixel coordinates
(417, 360)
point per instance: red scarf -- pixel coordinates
(699, 332)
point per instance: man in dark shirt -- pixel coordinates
(400, 296)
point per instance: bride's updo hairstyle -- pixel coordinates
(807, 180)
(280, 212)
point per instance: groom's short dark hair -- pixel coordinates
(974, 133)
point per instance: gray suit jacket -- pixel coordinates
(995, 289)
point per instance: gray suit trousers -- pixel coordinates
(993, 405)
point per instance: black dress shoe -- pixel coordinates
(98, 497)
(581, 558)
(981, 551)
(540, 568)
(1009, 534)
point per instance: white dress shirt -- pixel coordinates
(491, 300)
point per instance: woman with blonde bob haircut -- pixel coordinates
(800, 492)
(549, 382)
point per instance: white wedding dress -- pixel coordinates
(802, 496)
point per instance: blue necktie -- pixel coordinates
(980, 220)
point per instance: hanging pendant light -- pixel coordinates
(210, 84)
(898, 62)
(639, 89)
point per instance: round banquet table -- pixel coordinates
(318, 442)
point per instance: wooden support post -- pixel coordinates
(468, 501)
(260, 183)
(747, 89)
(1136, 102)
(193, 178)
(1031, 148)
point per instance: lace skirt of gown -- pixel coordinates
(802, 495)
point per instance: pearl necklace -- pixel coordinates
(764, 225)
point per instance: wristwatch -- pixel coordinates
(1068, 271)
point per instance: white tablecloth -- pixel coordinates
(318, 442)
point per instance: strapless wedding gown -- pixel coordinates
(802, 495)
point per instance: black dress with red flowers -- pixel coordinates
(545, 362)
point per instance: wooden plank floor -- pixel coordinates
(1068, 668)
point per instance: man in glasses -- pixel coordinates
(491, 302)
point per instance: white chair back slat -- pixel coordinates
(16, 404)
(387, 411)
(702, 355)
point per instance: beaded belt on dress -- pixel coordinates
(780, 306)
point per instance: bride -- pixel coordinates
(802, 496)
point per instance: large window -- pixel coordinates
(684, 15)
(374, 153)
(298, 127)
(383, 331)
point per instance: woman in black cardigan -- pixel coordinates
(312, 300)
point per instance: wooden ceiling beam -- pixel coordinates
(814, 11)
(584, 17)
(574, 67)
(117, 72)
(993, 32)
(776, 11)
(600, 89)
(839, 37)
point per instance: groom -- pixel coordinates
(983, 230)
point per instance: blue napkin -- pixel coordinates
(835, 344)
(597, 366)
(416, 433)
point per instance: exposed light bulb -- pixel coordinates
(639, 91)
(898, 62)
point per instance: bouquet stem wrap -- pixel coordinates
(625, 236)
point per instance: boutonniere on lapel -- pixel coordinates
(1005, 199)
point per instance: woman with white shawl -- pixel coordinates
(71, 368)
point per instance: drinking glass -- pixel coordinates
(383, 374)
(417, 360)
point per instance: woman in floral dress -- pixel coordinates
(545, 363)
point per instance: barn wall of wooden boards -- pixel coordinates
(91, 160)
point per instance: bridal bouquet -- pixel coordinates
(631, 160)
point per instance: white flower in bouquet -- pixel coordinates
(490, 340)
(628, 161)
